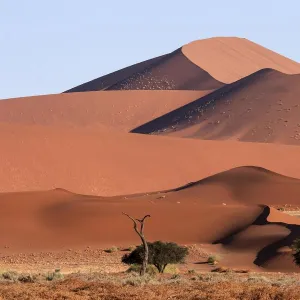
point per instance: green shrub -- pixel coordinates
(160, 255)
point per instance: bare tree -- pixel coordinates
(140, 233)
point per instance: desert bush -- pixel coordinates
(191, 272)
(160, 255)
(112, 249)
(213, 259)
(27, 278)
(10, 275)
(56, 275)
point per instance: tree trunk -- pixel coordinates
(142, 237)
(145, 258)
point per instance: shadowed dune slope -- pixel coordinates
(229, 59)
(169, 72)
(102, 162)
(263, 107)
(121, 110)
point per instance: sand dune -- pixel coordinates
(58, 219)
(229, 58)
(169, 72)
(62, 155)
(243, 185)
(118, 110)
(262, 107)
(102, 162)
(201, 65)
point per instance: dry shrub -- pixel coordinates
(136, 289)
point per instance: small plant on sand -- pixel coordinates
(112, 249)
(56, 275)
(213, 260)
(160, 255)
(10, 275)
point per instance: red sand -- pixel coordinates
(80, 142)
(262, 107)
(169, 72)
(228, 59)
(117, 110)
(101, 162)
(57, 219)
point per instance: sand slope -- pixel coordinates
(262, 107)
(119, 110)
(106, 81)
(243, 185)
(169, 72)
(58, 219)
(103, 162)
(229, 58)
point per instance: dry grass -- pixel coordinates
(77, 289)
(130, 286)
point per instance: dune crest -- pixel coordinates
(229, 59)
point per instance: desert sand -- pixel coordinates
(205, 139)
(115, 109)
(196, 213)
(261, 107)
(105, 162)
(229, 59)
(170, 72)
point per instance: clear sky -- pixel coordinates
(48, 46)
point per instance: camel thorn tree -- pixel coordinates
(140, 233)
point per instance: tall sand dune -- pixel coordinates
(262, 107)
(201, 65)
(169, 72)
(229, 59)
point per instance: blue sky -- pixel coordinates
(48, 46)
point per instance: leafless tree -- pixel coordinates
(140, 233)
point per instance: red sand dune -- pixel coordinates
(263, 107)
(79, 142)
(58, 219)
(169, 72)
(102, 162)
(243, 185)
(200, 65)
(228, 59)
(115, 109)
